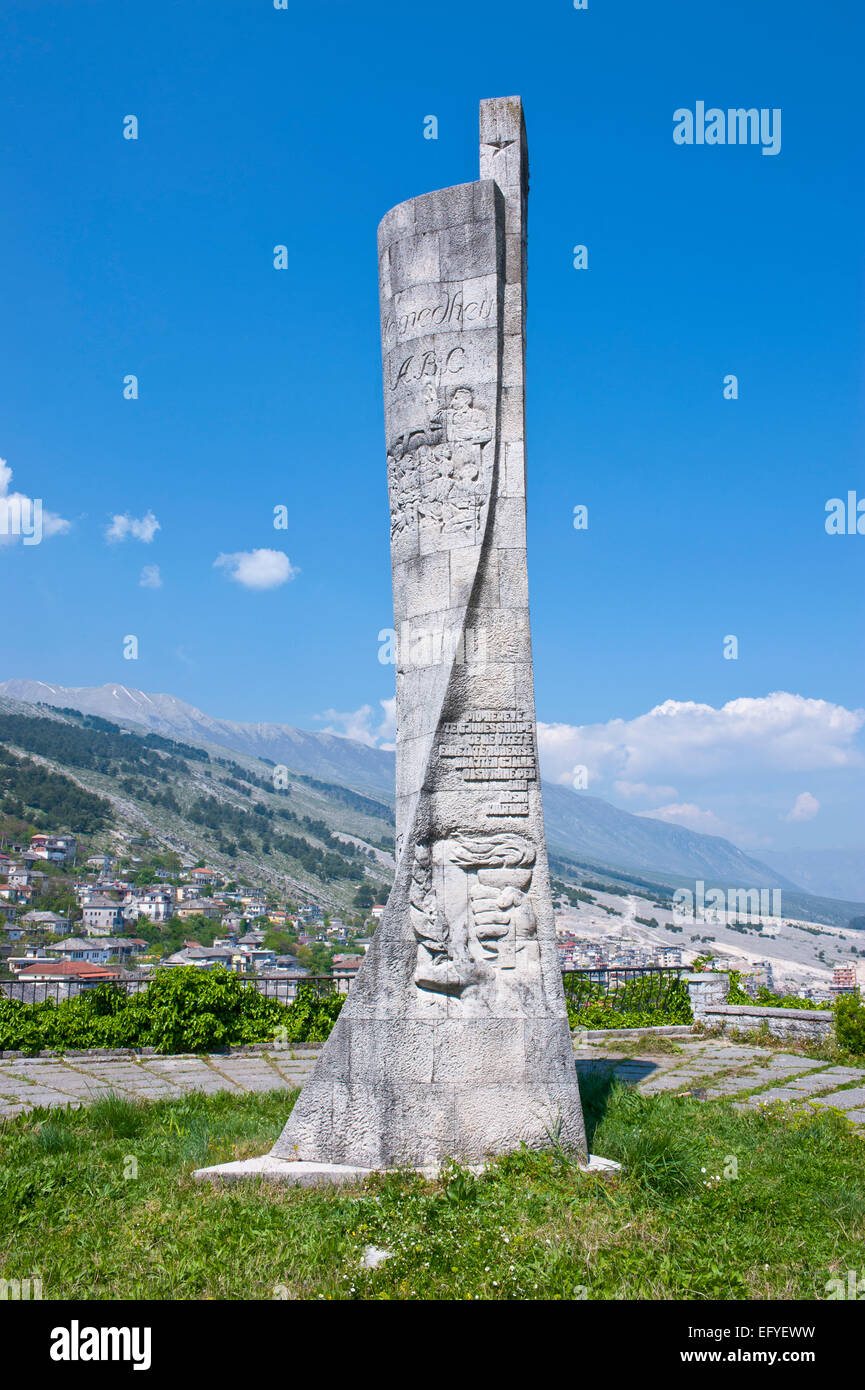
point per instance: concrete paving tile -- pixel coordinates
(730, 1085)
(240, 1073)
(663, 1083)
(39, 1097)
(790, 1062)
(776, 1093)
(261, 1083)
(843, 1100)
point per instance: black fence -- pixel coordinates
(648, 987)
(280, 987)
(651, 988)
(284, 987)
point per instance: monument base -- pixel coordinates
(297, 1173)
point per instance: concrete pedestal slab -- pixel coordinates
(297, 1173)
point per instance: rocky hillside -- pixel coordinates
(297, 834)
(348, 788)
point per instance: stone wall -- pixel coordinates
(706, 989)
(709, 990)
(815, 1025)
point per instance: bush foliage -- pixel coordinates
(638, 1004)
(182, 1010)
(850, 1023)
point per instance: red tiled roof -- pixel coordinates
(69, 967)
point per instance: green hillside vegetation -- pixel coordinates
(36, 796)
(183, 797)
(96, 744)
(364, 804)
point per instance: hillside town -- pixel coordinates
(68, 922)
(71, 919)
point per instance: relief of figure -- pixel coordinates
(436, 971)
(467, 423)
(472, 914)
(435, 472)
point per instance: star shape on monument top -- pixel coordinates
(498, 144)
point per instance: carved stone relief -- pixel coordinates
(472, 915)
(436, 474)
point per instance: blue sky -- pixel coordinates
(261, 387)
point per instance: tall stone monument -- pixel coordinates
(454, 1041)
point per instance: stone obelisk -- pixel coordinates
(454, 1041)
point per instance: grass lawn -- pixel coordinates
(672, 1226)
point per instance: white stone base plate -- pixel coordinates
(300, 1174)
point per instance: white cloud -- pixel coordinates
(150, 577)
(805, 807)
(360, 724)
(692, 817)
(25, 518)
(642, 790)
(123, 526)
(258, 569)
(778, 732)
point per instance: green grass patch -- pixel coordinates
(99, 1203)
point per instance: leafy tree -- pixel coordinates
(364, 897)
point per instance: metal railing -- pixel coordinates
(58, 991)
(649, 988)
(282, 988)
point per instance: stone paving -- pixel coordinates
(31, 1081)
(714, 1069)
(710, 1068)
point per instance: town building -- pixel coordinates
(103, 862)
(97, 950)
(155, 903)
(58, 849)
(205, 878)
(67, 972)
(101, 916)
(194, 907)
(844, 980)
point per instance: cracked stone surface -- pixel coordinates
(29, 1082)
(710, 1068)
(731, 1072)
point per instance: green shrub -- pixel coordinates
(635, 1005)
(766, 997)
(182, 1010)
(850, 1023)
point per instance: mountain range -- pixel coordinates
(579, 826)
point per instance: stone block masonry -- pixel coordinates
(454, 1041)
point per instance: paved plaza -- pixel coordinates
(709, 1068)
